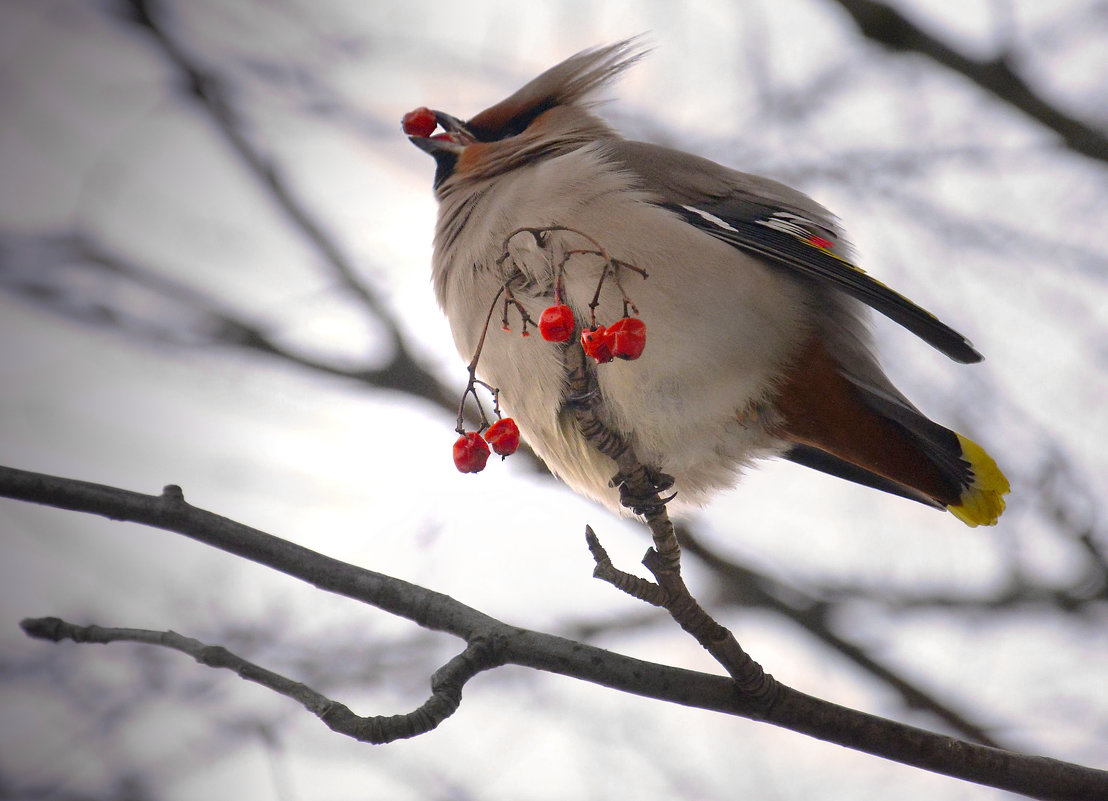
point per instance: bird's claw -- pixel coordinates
(647, 499)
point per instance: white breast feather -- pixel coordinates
(720, 326)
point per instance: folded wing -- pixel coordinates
(782, 226)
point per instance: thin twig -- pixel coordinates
(446, 683)
(629, 583)
(471, 384)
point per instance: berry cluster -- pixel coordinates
(623, 339)
(471, 450)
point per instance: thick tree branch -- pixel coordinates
(1038, 777)
(889, 27)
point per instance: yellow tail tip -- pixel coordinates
(982, 502)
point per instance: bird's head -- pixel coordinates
(545, 118)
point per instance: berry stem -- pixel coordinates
(510, 298)
(611, 266)
(471, 385)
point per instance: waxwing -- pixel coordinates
(756, 343)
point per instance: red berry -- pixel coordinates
(470, 453)
(556, 323)
(503, 436)
(596, 343)
(628, 338)
(420, 122)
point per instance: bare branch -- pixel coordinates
(446, 683)
(1038, 777)
(889, 27)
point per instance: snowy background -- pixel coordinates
(167, 316)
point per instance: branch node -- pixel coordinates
(623, 581)
(44, 628)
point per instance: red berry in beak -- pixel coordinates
(556, 323)
(503, 436)
(596, 343)
(470, 453)
(420, 122)
(627, 338)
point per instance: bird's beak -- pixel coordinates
(453, 140)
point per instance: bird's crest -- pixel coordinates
(569, 82)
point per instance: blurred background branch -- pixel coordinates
(887, 26)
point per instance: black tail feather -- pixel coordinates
(816, 459)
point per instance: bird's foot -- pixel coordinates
(643, 494)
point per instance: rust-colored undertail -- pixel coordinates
(824, 409)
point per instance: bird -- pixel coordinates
(758, 343)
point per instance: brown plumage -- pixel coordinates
(822, 409)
